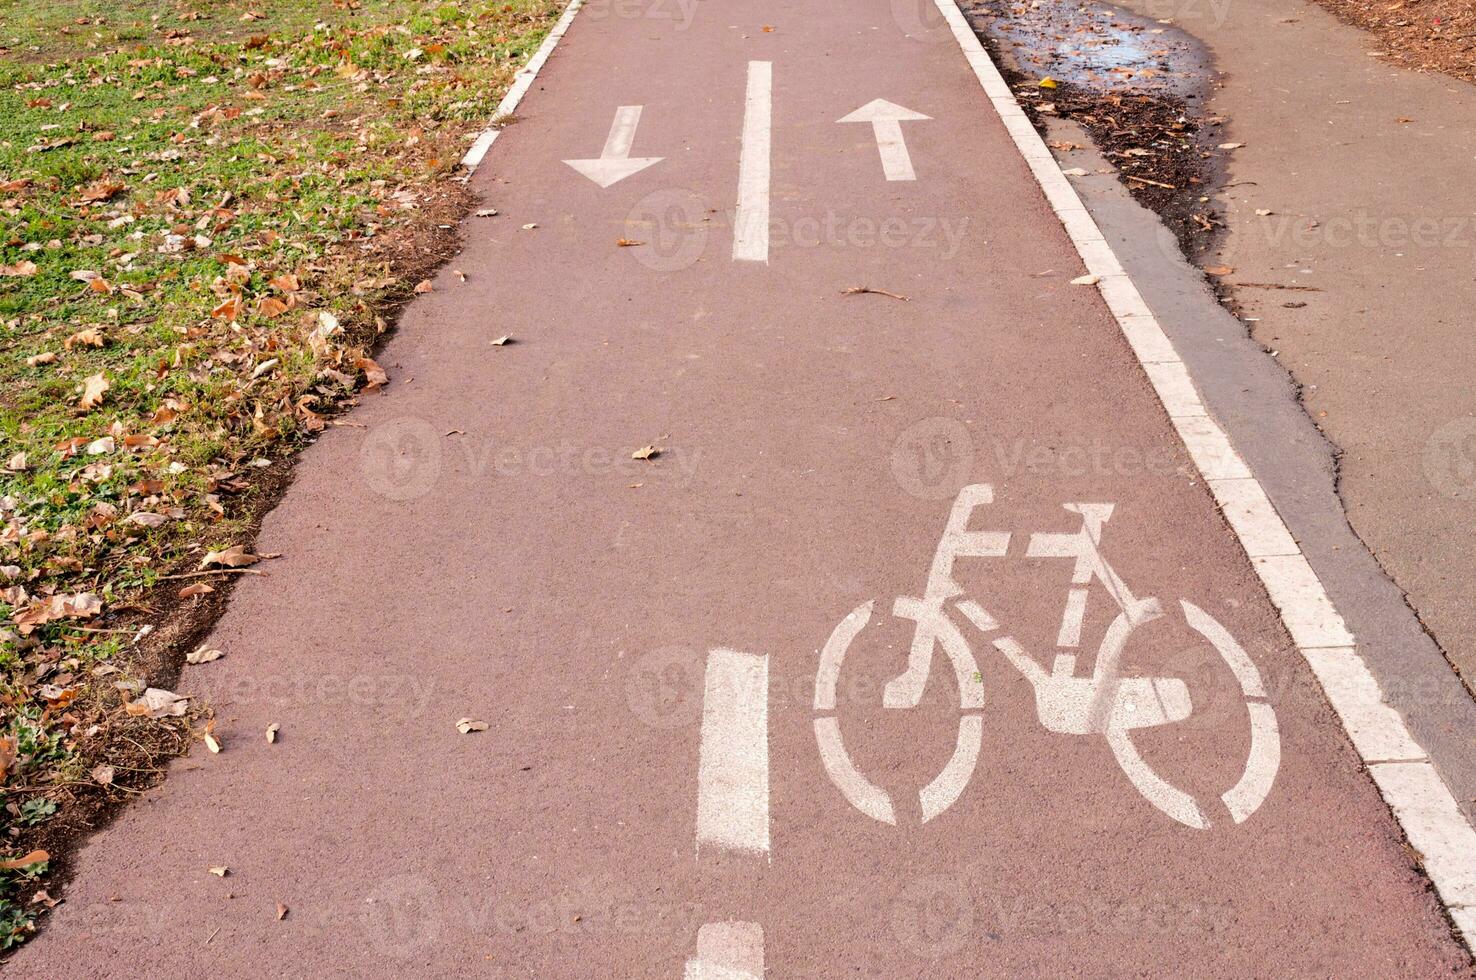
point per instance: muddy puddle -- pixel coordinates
(1137, 86)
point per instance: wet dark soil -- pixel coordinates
(1138, 87)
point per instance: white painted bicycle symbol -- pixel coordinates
(1102, 703)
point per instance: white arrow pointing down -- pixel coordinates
(886, 120)
(615, 162)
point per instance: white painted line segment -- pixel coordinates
(886, 120)
(1306, 610)
(751, 223)
(1171, 381)
(1420, 801)
(728, 951)
(733, 759)
(861, 792)
(1434, 825)
(615, 163)
(1375, 728)
(521, 83)
(1250, 513)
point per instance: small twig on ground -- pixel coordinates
(1155, 183)
(857, 290)
(1277, 285)
(211, 571)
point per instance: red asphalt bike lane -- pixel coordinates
(685, 661)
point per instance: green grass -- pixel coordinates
(185, 156)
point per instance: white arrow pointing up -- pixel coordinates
(886, 120)
(615, 162)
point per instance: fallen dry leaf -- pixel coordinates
(502, 341)
(17, 463)
(204, 655)
(102, 775)
(212, 744)
(282, 911)
(36, 360)
(1219, 270)
(83, 605)
(236, 556)
(91, 337)
(646, 452)
(1047, 82)
(374, 376)
(272, 731)
(220, 870)
(15, 864)
(228, 309)
(158, 703)
(26, 268)
(1231, 146)
(1086, 280)
(468, 725)
(93, 390)
(190, 591)
(627, 242)
(424, 286)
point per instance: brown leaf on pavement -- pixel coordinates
(646, 452)
(424, 286)
(468, 725)
(1219, 270)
